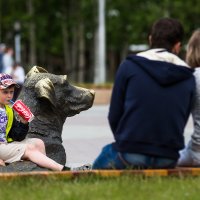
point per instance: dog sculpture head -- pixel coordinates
(52, 99)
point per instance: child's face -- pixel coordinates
(6, 95)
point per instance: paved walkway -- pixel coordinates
(86, 133)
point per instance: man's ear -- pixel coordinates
(176, 49)
(150, 40)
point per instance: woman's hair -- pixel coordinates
(165, 33)
(193, 50)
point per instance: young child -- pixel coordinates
(14, 146)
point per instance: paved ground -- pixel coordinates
(86, 133)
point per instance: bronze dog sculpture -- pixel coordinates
(52, 99)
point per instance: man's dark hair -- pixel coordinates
(165, 33)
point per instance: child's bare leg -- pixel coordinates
(2, 163)
(39, 144)
(33, 154)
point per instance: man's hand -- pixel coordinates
(2, 163)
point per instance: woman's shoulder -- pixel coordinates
(197, 72)
(197, 76)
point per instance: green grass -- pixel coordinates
(86, 188)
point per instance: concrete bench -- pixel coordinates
(179, 172)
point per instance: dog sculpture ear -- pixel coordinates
(35, 70)
(45, 89)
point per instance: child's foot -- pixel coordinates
(65, 168)
(85, 167)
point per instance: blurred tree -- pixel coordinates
(32, 36)
(59, 34)
(130, 24)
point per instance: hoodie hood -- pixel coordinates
(164, 67)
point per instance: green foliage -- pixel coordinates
(127, 22)
(131, 21)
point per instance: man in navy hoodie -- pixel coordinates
(150, 104)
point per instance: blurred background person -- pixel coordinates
(18, 75)
(190, 155)
(2, 49)
(8, 60)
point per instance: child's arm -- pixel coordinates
(22, 120)
(18, 131)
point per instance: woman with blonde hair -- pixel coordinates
(190, 156)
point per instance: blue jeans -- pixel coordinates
(109, 158)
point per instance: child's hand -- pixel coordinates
(2, 163)
(22, 120)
